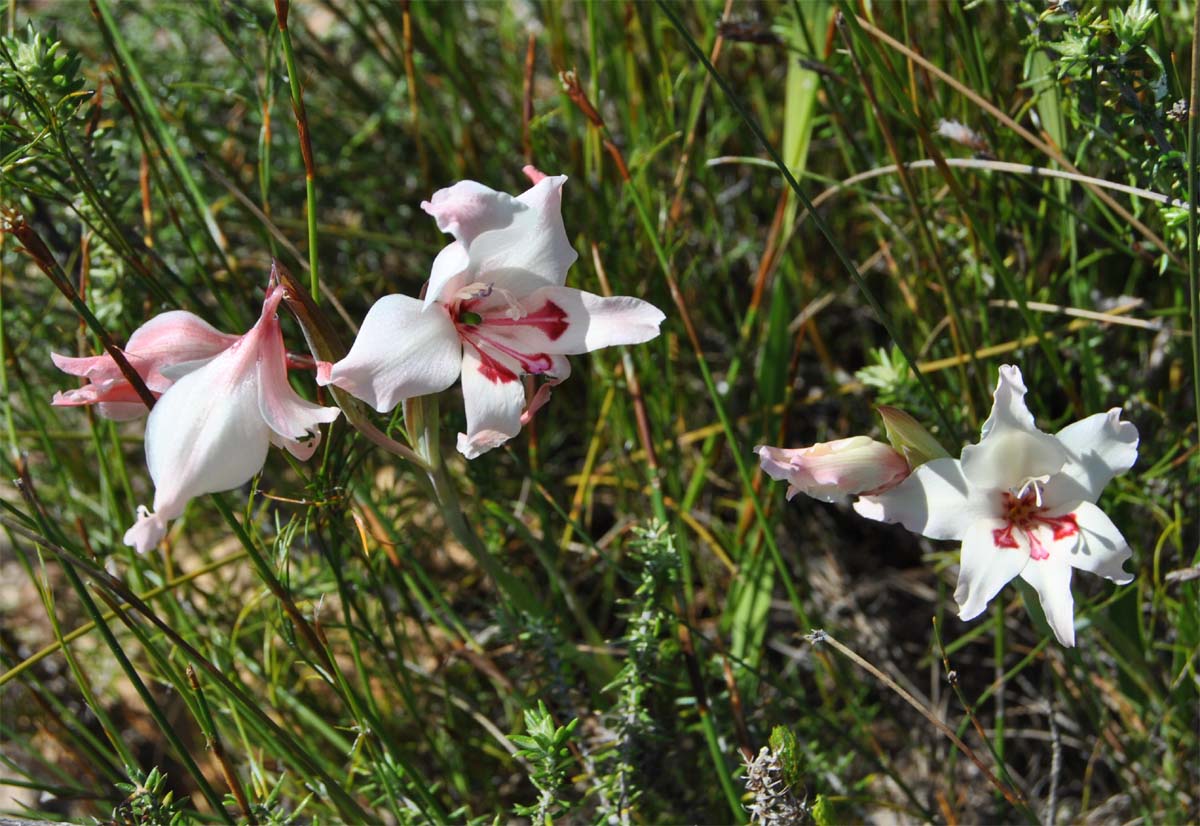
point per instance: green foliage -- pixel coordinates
(544, 745)
(149, 803)
(360, 656)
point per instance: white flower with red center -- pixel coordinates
(495, 310)
(1023, 504)
(211, 428)
(161, 350)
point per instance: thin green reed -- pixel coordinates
(844, 257)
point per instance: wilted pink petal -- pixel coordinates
(164, 348)
(211, 430)
(833, 471)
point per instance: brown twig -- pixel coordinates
(1014, 797)
(33, 245)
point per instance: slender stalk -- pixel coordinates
(906, 351)
(310, 173)
(1193, 155)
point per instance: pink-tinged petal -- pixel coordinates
(495, 398)
(834, 471)
(985, 566)
(204, 435)
(1011, 449)
(533, 250)
(117, 391)
(294, 420)
(1051, 578)
(535, 175)
(935, 501)
(540, 398)
(1101, 548)
(94, 368)
(175, 337)
(1099, 448)
(467, 209)
(449, 273)
(401, 352)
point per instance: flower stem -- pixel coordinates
(310, 173)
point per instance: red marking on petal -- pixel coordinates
(1003, 537)
(1063, 526)
(493, 370)
(550, 318)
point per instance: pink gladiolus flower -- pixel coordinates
(210, 430)
(495, 310)
(161, 350)
(834, 471)
(1023, 504)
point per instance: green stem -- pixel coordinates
(1193, 195)
(934, 403)
(310, 186)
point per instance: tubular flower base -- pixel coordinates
(1023, 504)
(166, 347)
(495, 310)
(834, 471)
(210, 430)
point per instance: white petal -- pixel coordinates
(1051, 578)
(533, 250)
(1099, 447)
(935, 501)
(145, 534)
(1008, 403)
(1102, 549)
(592, 322)
(293, 419)
(985, 567)
(206, 433)
(1011, 449)
(400, 352)
(494, 397)
(451, 263)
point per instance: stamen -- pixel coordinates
(1035, 484)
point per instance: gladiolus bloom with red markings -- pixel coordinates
(495, 310)
(1023, 503)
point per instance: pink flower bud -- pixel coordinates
(834, 471)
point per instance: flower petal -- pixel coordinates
(451, 263)
(175, 337)
(533, 249)
(293, 419)
(205, 435)
(569, 321)
(935, 501)
(400, 352)
(1051, 578)
(985, 567)
(1101, 548)
(494, 397)
(833, 471)
(1099, 448)
(468, 208)
(1011, 449)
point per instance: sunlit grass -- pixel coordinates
(331, 644)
